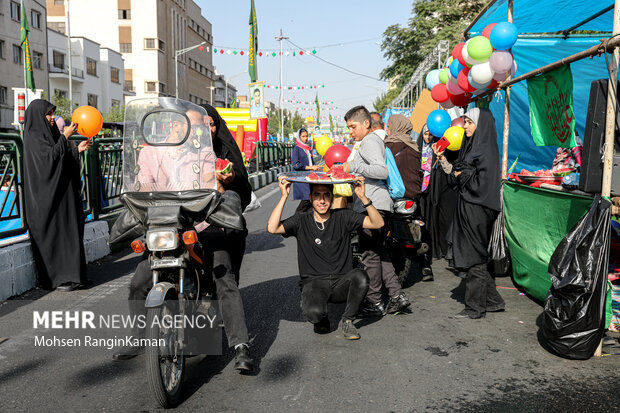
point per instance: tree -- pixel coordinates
(386, 97)
(63, 106)
(292, 122)
(432, 21)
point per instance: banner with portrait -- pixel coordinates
(257, 99)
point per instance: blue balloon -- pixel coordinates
(476, 84)
(455, 68)
(432, 79)
(438, 121)
(504, 35)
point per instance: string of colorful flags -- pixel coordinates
(261, 53)
(295, 87)
(314, 109)
(307, 103)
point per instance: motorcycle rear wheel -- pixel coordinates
(165, 364)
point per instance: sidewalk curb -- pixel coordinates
(259, 180)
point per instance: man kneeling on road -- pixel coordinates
(324, 253)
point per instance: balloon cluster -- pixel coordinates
(475, 66)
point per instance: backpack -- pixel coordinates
(395, 184)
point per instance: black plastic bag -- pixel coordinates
(498, 246)
(574, 312)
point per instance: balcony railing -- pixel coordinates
(75, 71)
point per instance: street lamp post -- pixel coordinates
(178, 53)
(280, 38)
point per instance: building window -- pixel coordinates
(114, 75)
(92, 100)
(124, 14)
(60, 93)
(59, 59)
(125, 47)
(35, 19)
(17, 54)
(37, 60)
(3, 92)
(129, 85)
(161, 45)
(149, 43)
(150, 86)
(116, 103)
(162, 87)
(15, 11)
(1, 49)
(91, 68)
(57, 26)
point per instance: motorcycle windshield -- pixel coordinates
(167, 147)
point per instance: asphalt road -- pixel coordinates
(422, 361)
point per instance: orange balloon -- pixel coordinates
(88, 119)
(325, 168)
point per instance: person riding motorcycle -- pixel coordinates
(166, 168)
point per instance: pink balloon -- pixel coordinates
(501, 61)
(454, 88)
(458, 122)
(500, 76)
(513, 70)
(447, 104)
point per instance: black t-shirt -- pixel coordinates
(327, 251)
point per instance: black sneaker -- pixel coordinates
(468, 314)
(349, 330)
(243, 361)
(368, 309)
(322, 327)
(397, 304)
(427, 274)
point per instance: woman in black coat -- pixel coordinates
(52, 201)
(476, 177)
(225, 147)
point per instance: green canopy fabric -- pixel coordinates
(536, 220)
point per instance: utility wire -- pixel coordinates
(338, 66)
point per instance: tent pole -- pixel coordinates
(507, 112)
(610, 119)
(479, 16)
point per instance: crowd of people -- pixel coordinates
(458, 196)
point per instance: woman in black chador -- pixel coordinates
(52, 201)
(476, 177)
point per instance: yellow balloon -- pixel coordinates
(454, 135)
(322, 145)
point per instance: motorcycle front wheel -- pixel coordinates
(165, 363)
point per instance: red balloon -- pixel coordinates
(487, 30)
(494, 83)
(461, 100)
(336, 154)
(457, 51)
(440, 93)
(458, 122)
(463, 82)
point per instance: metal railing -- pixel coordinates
(101, 180)
(271, 154)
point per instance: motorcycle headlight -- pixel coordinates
(162, 239)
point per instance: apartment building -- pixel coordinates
(147, 33)
(11, 57)
(97, 72)
(225, 93)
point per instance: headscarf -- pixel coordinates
(426, 161)
(224, 145)
(306, 148)
(400, 131)
(479, 163)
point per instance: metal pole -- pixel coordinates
(506, 113)
(226, 93)
(211, 98)
(24, 61)
(610, 119)
(280, 38)
(176, 57)
(69, 53)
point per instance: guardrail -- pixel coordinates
(272, 154)
(101, 172)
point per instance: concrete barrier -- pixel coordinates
(17, 269)
(259, 180)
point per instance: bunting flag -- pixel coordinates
(294, 87)
(25, 45)
(252, 69)
(318, 109)
(266, 53)
(299, 102)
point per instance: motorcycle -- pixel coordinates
(169, 187)
(404, 237)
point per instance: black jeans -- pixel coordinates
(480, 292)
(217, 257)
(317, 291)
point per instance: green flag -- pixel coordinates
(318, 111)
(552, 115)
(252, 70)
(25, 29)
(331, 123)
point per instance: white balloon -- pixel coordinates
(482, 73)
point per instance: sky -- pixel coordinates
(350, 28)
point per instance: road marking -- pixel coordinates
(269, 194)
